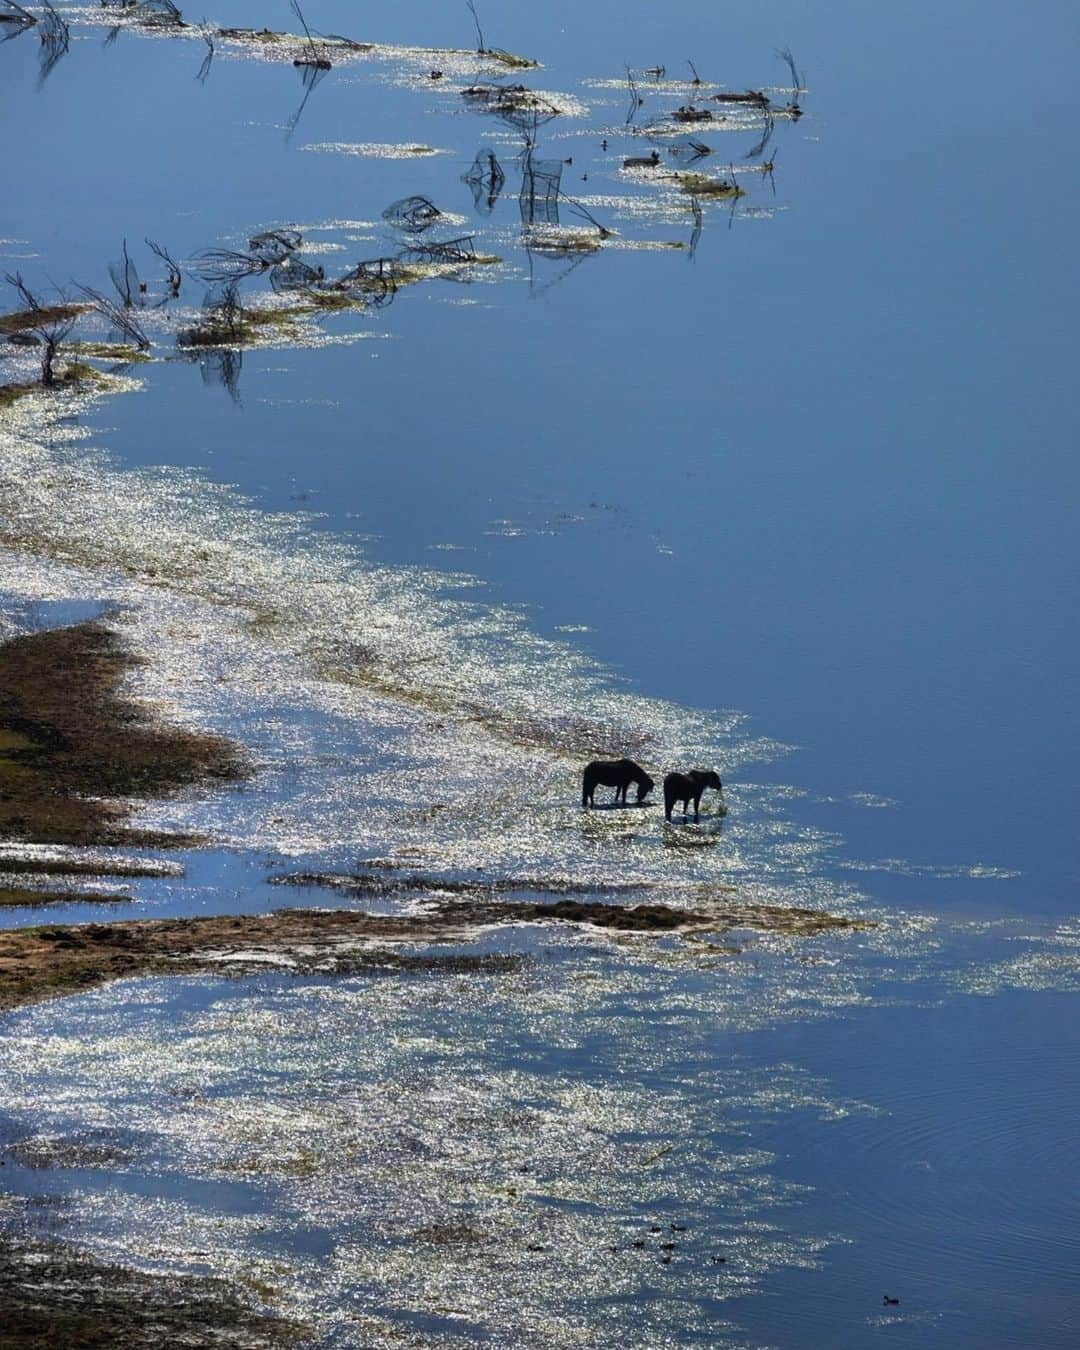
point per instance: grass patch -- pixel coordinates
(108, 351)
(11, 393)
(23, 320)
(701, 185)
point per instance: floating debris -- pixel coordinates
(412, 214)
(539, 195)
(486, 179)
(157, 14)
(315, 57)
(14, 19)
(295, 275)
(492, 53)
(226, 264)
(701, 185)
(55, 39)
(514, 104)
(753, 97)
(797, 86)
(119, 318)
(688, 113)
(642, 161)
(222, 322)
(125, 278)
(462, 250)
(274, 246)
(175, 277)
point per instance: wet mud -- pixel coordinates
(53, 960)
(15, 897)
(74, 748)
(54, 1297)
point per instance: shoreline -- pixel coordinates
(55, 1296)
(54, 960)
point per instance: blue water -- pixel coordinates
(821, 472)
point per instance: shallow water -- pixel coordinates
(802, 478)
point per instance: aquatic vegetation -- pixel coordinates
(42, 963)
(11, 393)
(51, 325)
(373, 151)
(496, 53)
(222, 323)
(513, 104)
(149, 13)
(701, 185)
(28, 897)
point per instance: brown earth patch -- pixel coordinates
(48, 961)
(53, 1298)
(14, 897)
(74, 745)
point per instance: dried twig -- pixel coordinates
(175, 277)
(122, 320)
(51, 325)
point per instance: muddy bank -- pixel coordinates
(367, 884)
(18, 897)
(52, 1298)
(74, 747)
(57, 959)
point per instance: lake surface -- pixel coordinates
(792, 469)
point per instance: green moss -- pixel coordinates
(108, 351)
(78, 372)
(701, 185)
(510, 59)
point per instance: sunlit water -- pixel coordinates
(795, 476)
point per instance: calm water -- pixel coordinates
(817, 469)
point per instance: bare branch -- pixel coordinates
(479, 31)
(120, 319)
(175, 277)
